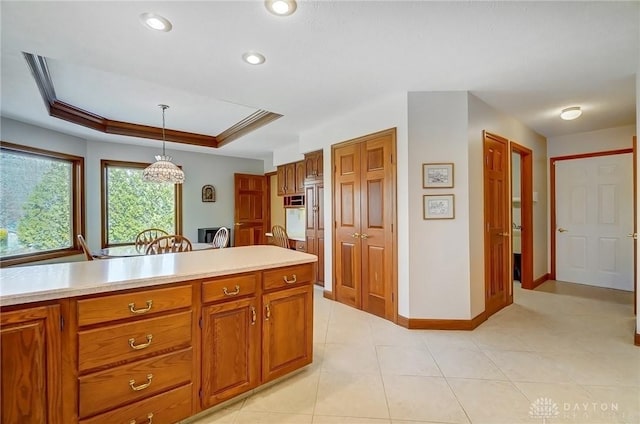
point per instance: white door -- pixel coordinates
(594, 216)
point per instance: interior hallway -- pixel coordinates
(570, 344)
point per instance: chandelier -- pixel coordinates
(163, 170)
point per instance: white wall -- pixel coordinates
(484, 117)
(439, 268)
(385, 113)
(592, 141)
(199, 170)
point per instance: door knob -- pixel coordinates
(633, 235)
(562, 230)
(355, 235)
(506, 234)
(364, 236)
(238, 224)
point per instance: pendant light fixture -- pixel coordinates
(163, 170)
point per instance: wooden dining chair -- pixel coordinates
(145, 237)
(221, 238)
(85, 249)
(169, 244)
(280, 237)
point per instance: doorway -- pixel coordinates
(522, 198)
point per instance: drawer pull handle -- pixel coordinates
(233, 293)
(253, 316)
(268, 308)
(132, 308)
(293, 281)
(134, 346)
(149, 419)
(132, 384)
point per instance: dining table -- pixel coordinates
(131, 250)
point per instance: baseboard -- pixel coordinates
(636, 339)
(540, 280)
(442, 324)
(328, 295)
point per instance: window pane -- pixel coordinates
(36, 213)
(134, 205)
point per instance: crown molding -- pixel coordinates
(68, 112)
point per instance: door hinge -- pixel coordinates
(61, 323)
(393, 297)
(200, 322)
(200, 393)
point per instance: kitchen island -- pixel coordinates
(153, 338)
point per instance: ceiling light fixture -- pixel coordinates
(281, 7)
(253, 58)
(156, 22)
(163, 170)
(571, 113)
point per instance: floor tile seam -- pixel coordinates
(384, 387)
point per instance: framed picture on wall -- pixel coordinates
(208, 193)
(438, 206)
(437, 175)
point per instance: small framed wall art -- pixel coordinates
(437, 175)
(208, 193)
(438, 206)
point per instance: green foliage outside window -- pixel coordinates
(134, 205)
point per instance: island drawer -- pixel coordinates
(225, 288)
(124, 342)
(133, 304)
(105, 390)
(166, 408)
(287, 276)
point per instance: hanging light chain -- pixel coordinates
(163, 107)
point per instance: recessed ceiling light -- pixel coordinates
(156, 22)
(571, 113)
(281, 7)
(253, 58)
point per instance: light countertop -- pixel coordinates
(19, 285)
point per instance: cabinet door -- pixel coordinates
(309, 167)
(299, 177)
(31, 366)
(287, 338)
(281, 180)
(290, 178)
(318, 165)
(320, 232)
(230, 350)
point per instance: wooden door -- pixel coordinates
(497, 227)
(376, 221)
(594, 215)
(320, 232)
(287, 338)
(364, 244)
(250, 209)
(31, 357)
(347, 251)
(230, 350)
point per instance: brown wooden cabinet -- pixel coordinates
(31, 380)
(287, 323)
(313, 166)
(291, 178)
(314, 226)
(133, 347)
(230, 338)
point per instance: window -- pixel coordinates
(42, 204)
(130, 204)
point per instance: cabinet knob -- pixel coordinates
(268, 312)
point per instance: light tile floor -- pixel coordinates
(560, 354)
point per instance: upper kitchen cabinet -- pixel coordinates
(291, 179)
(313, 166)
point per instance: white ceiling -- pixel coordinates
(528, 59)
